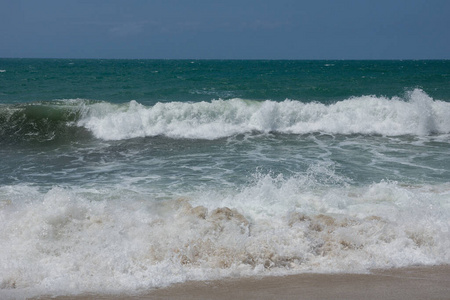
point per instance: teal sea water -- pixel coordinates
(121, 176)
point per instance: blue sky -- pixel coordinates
(226, 29)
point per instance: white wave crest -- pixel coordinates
(417, 115)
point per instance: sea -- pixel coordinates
(122, 176)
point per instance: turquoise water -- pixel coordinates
(125, 175)
(151, 81)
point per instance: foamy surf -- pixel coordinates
(418, 114)
(72, 240)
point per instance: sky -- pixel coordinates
(226, 29)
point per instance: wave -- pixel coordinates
(40, 121)
(417, 114)
(78, 240)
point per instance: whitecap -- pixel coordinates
(418, 115)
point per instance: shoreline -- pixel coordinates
(421, 282)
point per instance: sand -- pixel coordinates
(408, 283)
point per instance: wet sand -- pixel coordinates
(408, 283)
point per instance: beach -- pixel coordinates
(404, 283)
(209, 178)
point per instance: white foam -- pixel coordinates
(74, 240)
(418, 115)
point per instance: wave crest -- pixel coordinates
(418, 114)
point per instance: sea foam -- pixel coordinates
(74, 240)
(418, 114)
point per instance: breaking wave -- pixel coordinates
(418, 114)
(40, 121)
(109, 240)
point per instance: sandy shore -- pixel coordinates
(409, 283)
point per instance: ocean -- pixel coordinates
(121, 176)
